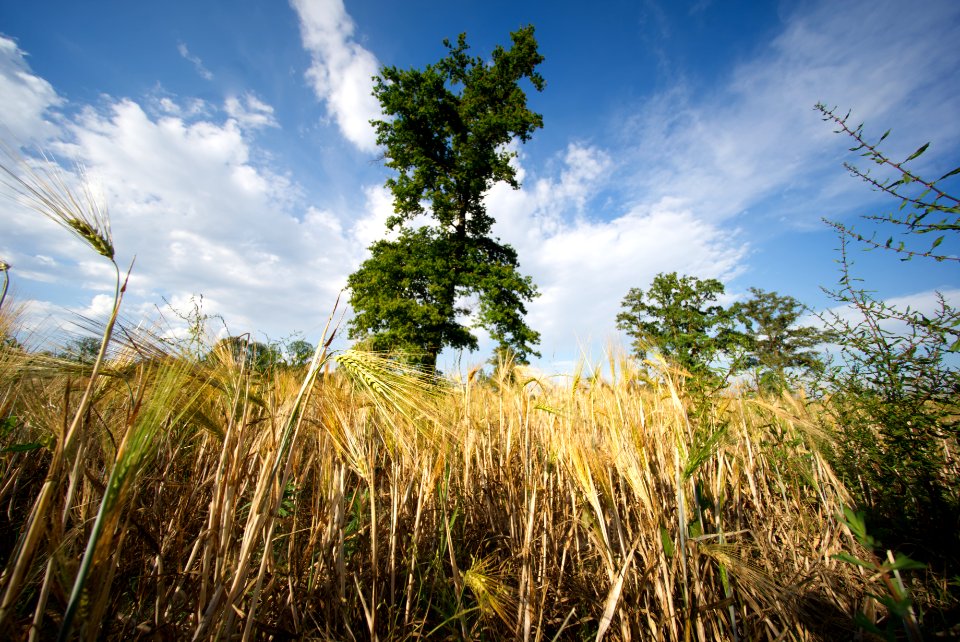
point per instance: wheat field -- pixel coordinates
(358, 499)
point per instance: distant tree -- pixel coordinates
(265, 356)
(82, 349)
(446, 136)
(773, 342)
(299, 352)
(680, 317)
(251, 354)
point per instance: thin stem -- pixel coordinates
(61, 457)
(5, 268)
(878, 156)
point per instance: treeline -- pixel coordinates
(680, 317)
(258, 356)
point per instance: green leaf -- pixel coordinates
(854, 520)
(917, 153)
(850, 559)
(8, 424)
(668, 548)
(949, 174)
(22, 448)
(902, 562)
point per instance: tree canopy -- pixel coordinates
(251, 354)
(680, 317)
(299, 352)
(447, 133)
(82, 350)
(773, 341)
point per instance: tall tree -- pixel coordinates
(774, 342)
(243, 350)
(446, 136)
(680, 317)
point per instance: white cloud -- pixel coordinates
(586, 270)
(202, 71)
(372, 226)
(341, 70)
(585, 265)
(540, 208)
(926, 303)
(755, 135)
(201, 217)
(168, 106)
(323, 219)
(250, 111)
(27, 98)
(100, 307)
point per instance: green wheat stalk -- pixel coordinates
(44, 190)
(164, 408)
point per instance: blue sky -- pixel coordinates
(231, 142)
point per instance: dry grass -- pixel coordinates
(373, 502)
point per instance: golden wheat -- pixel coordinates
(379, 503)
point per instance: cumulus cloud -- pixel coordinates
(202, 217)
(27, 98)
(341, 71)
(372, 226)
(584, 264)
(101, 306)
(586, 269)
